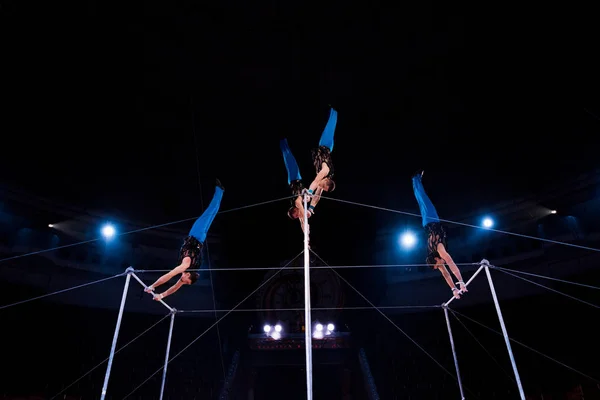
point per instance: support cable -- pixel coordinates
(547, 277)
(212, 286)
(465, 224)
(116, 352)
(214, 324)
(527, 347)
(393, 323)
(552, 290)
(145, 271)
(140, 230)
(484, 349)
(312, 308)
(60, 291)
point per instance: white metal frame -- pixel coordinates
(129, 273)
(484, 264)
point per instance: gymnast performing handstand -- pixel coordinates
(296, 211)
(190, 254)
(437, 247)
(321, 157)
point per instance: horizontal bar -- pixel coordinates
(312, 308)
(147, 271)
(469, 281)
(144, 285)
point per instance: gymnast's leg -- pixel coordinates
(290, 162)
(327, 135)
(202, 224)
(428, 211)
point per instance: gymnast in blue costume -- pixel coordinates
(324, 171)
(190, 254)
(321, 157)
(296, 211)
(437, 247)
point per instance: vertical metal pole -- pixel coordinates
(460, 387)
(164, 376)
(307, 317)
(116, 335)
(506, 338)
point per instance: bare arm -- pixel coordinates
(447, 276)
(317, 197)
(444, 254)
(170, 290)
(320, 176)
(185, 264)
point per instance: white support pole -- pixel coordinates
(116, 335)
(164, 376)
(506, 338)
(483, 262)
(460, 387)
(307, 317)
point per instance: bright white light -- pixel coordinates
(267, 328)
(553, 212)
(278, 328)
(328, 333)
(108, 231)
(408, 240)
(50, 226)
(330, 327)
(319, 328)
(276, 335)
(488, 223)
(318, 335)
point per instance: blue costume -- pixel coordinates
(192, 245)
(294, 177)
(322, 154)
(431, 221)
(327, 135)
(290, 162)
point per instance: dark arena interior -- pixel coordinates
(172, 226)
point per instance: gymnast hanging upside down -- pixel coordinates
(324, 172)
(321, 157)
(191, 252)
(437, 247)
(296, 211)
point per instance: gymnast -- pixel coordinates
(437, 247)
(190, 254)
(296, 211)
(321, 157)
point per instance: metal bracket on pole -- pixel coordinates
(483, 263)
(460, 387)
(504, 333)
(307, 317)
(164, 375)
(129, 272)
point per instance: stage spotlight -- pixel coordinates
(267, 328)
(50, 225)
(319, 328)
(108, 231)
(408, 240)
(487, 222)
(552, 211)
(276, 335)
(278, 328)
(330, 327)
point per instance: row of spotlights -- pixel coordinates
(273, 331)
(321, 330)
